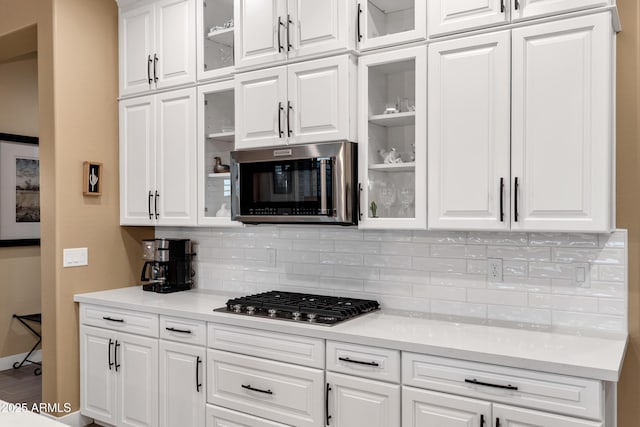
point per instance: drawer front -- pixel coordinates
(557, 393)
(275, 391)
(370, 362)
(269, 345)
(221, 417)
(183, 330)
(133, 322)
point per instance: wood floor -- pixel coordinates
(21, 386)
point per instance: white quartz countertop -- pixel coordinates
(582, 356)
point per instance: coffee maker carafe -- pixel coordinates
(168, 265)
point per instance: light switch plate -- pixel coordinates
(75, 257)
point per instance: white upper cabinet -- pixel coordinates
(469, 139)
(157, 46)
(526, 9)
(382, 23)
(446, 16)
(310, 101)
(562, 126)
(158, 159)
(215, 38)
(273, 30)
(392, 132)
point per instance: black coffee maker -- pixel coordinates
(168, 265)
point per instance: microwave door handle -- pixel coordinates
(323, 186)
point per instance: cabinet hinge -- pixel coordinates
(206, 102)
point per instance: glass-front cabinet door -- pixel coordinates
(215, 38)
(393, 144)
(216, 136)
(390, 22)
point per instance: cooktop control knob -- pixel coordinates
(251, 309)
(311, 317)
(296, 315)
(237, 308)
(272, 312)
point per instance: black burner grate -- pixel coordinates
(301, 307)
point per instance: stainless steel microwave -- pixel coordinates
(307, 183)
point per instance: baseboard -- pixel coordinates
(7, 362)
(74, 419)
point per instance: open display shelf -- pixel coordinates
(222, 136)
(395, 119)
(223, 37)
(393, 167)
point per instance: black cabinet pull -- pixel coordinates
(289, 108)
(359, 362)
(497, 422)
(182, 331)
(280, 24)
(149, 205)
(149, 61)
(155, 70)
(280, 109)
(111, 319)
(481, 420)
(476, 382)
(326, 405)
(517, 7)
(109, 352)
(501, 199)
(515, 199)
(501, 6)
(289, 22)
(360, 200)
(359, 35)
(198, 383)
(115, 355)
(155, 204)
(248, 387)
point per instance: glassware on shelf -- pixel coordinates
(386, 196)
(406, 197)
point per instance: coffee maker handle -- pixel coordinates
(143, 275)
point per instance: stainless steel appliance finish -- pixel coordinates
(168, 265)
(307, 183)
(299, 307)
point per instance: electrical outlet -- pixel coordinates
(494, 269)
(582, 274)
(271, 254)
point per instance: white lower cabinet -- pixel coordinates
(182, 385)
(360, 402)
(509, 416)
(118, 377)
(221, 417)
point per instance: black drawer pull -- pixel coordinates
(476, 382)
(327, 417)
(198, 383)
(115, 355)
(182, 331)
(248, 387)
(111, 319)
(359, 362)
(109, 353)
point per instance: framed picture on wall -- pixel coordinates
(92, 182)
(19, 190)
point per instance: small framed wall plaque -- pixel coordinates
(92, 182)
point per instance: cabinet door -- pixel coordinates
(390, 22)
(469, 133)
(446, 16)
(97, 374)
(392, 153)
(320, 26)
(176, 158)
(221, 417)
(182, 385)
(261, 100)
(137, 161)
(321, 100)
(526, 9)
(358, 402)
(422, 408)
(261, 36)
(136, 47)
(175, 42)
(137, 363)
(562, 141)
(510, 416)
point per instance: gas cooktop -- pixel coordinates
(299, 307)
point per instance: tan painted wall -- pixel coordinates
(77, 74)
(628, 193)
(20, 267)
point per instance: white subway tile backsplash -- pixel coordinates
(435, 272)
